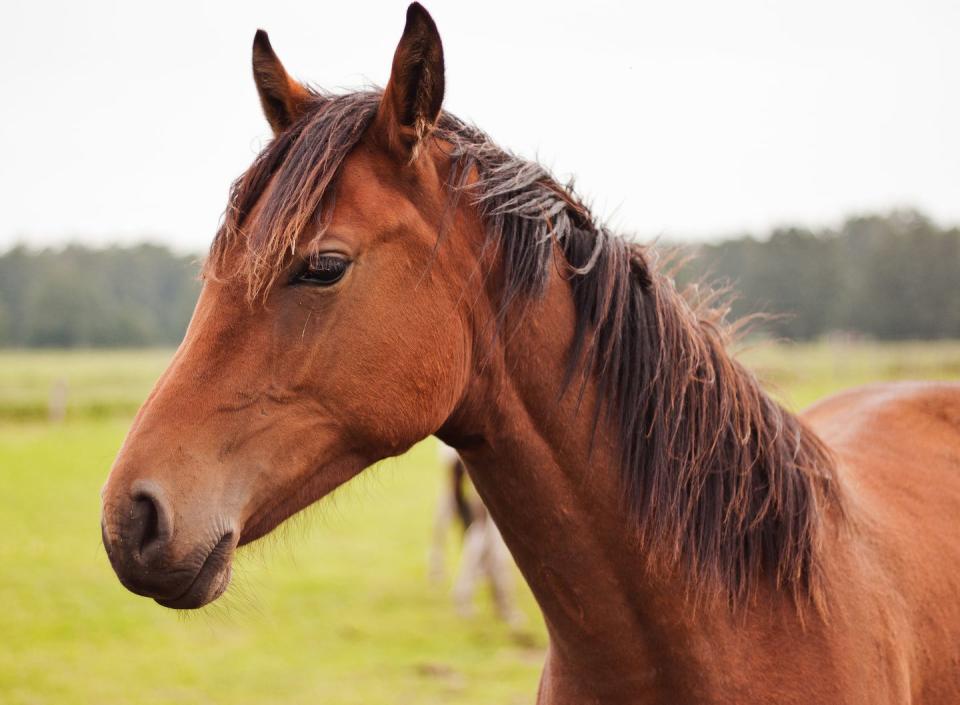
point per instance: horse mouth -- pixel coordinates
(210, 581)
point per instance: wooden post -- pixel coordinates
(58, 400)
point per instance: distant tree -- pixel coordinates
(78, 296)
(3, 325)
(790, 275)
(890, 277)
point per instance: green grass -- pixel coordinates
(336, 610)
(98, 383)
(800, 374)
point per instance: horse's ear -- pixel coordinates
(411, 102)
(282, 98)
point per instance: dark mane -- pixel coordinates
(718, 477)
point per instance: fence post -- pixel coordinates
(58, 400)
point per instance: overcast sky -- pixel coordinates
(121, 121)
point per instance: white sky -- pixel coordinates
(121, 121)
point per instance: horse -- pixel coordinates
(485, 555)
(384, 271)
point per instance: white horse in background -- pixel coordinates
(484, 554)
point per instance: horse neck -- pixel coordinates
(551, 485)
(550, 477)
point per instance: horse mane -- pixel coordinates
(720, 480)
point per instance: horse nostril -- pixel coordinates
(149, 526)
(149, 523)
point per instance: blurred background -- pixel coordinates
(806, 153)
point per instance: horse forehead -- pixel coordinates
(372, 193)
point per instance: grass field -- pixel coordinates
(336, 610)
(98, 383)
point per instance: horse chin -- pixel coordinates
(211, 580)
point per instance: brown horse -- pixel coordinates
(386, 272)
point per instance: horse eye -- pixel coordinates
(323, 270)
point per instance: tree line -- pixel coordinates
(84, 297)
(893, 276)
(888, 277)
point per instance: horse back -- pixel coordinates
(898, 450)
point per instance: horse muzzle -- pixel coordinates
(155, 558)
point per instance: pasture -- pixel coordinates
(337, 609)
